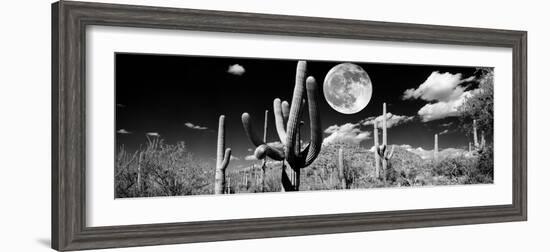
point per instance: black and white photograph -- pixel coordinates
(200, 125)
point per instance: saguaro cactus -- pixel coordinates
(264, 161)
(228, 186)
(288, 149)
(341, 174)
(478, 145)
(474, 125)
(436, 149)
(383, 149)
(376, 156)
(222, 159)
(139, 172)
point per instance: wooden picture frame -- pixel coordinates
(69, 20)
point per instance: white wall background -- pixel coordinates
(25, 124)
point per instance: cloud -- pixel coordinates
(444, 92)
(429, 154)
(250, 157)
(444, 132)
(443, 109)
(195, 127)
(446, 124)
(236, 69)
(391, 120)
(438, 87)
(234, 158)
(123, 131)
(155, 134)
(347, 133)
(250, 150)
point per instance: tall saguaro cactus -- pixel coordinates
(222, 159)
(264, 161)
(341, 174)
(383, 149)
(376, 156)
(288, 149)
(436, 148)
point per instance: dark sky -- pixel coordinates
(161, 93)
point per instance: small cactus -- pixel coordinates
(478, 145)
(341, 173)
(288, 149)
(436, 148)
(474, 125)
(222, 159)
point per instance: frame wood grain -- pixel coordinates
(69, 21)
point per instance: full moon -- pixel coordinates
(347, 88)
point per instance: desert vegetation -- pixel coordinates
(288, 164)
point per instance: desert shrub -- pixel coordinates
(165, 170)
(485, 163)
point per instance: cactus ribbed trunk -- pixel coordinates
(376, 156)
(436, 148)
(222, 159)
(384, 140)
(341, 174)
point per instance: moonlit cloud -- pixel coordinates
(438, 87)
(446, 131)
(155, 134)
(234, 158)
(250, 150)
(195, 127)
(442, 109)
(429, 154)
(443, 91)
(347, 133)
(446, 124)
(236, 69)
(123, 131)
(391, 120)
(250, 157)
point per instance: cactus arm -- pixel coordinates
(250, 131)
(316, 133)
(293, 118)
(279, 119)
(381, 150)
(391, 152)
(226, 159)
(285, 107)
(265, 125)
(273, 150)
